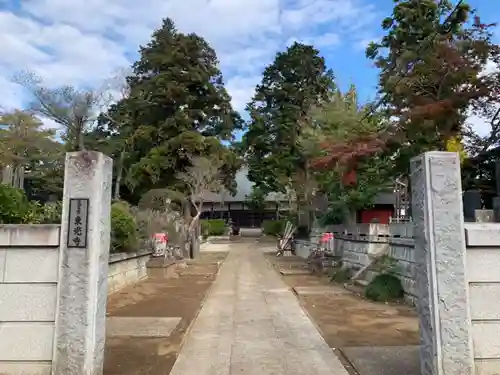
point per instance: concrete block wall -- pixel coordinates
(483, 278)
(359, 244)
(29, 280)
(126, 269)
(358, 249)
(53, 279)
(29, 272)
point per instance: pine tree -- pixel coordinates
(296, 81)
(177, 108)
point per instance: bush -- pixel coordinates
(150, 222)
(213, 227)
(14, 205)
(341, 275)
(49, 213)
(384, 287)
(124, 232)
(273, 227)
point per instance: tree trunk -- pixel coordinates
(308, 197)
(194, 234)
(81, 145)
(119, 173)
(194, 221)
(186, 213)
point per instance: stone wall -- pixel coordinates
(53, 279)
(29, 271)
(359, 251)
(126, 269)
(29, 280)
(483, 278)
(359, 244)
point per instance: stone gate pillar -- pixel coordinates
(85, 240)
(442, 303)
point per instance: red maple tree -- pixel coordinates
(347, 154)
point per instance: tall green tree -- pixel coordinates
(296, 81)
(30, 156)
(432, 73)
(23, 138)
(177, 109)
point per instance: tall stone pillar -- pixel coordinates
(442, 303)
(85, 241)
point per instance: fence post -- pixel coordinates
(83, 264)
(442, 303)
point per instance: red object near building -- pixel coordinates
(161, 237)
(376, 215)
(327, 236)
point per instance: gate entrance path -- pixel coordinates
(252, 323)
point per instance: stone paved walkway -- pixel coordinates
(251, 323)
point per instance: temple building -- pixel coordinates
(225, 206)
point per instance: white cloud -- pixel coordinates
(242, 89)
(480, 124)
(323, 41)
(10, 94)
(363, 43)
(82, 42)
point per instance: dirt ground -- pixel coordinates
(178, 295)
(348, 320)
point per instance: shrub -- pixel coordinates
(151, 221)
(15, 208)
(124, 232)
(384, 287)
(14, 205)
(51, 213)
(273, 227)
(341, 275)
(213, 227)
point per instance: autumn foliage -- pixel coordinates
(439, 70)
(442, 85)
(347, 153)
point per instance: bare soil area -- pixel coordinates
(163, 294)
(347, 319)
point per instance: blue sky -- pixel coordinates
(85, 42)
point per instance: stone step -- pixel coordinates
(160, 262)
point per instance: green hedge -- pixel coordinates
(124, 230)
(273, 227)
(14, 205)
(15, 208)
(213, 227)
